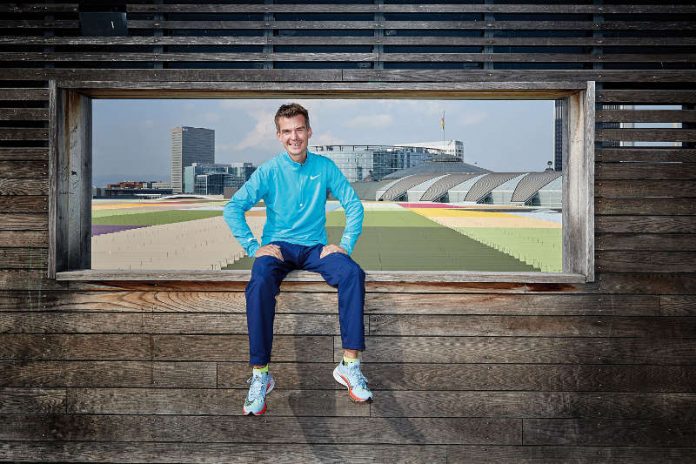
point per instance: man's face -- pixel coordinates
(294, 134)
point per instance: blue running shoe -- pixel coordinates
(260, 385)
(351, 377)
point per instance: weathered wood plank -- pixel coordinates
(19, 187)
(646, 261)
(110, 374)
(32, 401)
(531, 326)
(646, 42)
(21, 279)
(647, 135)
(23, 258)
(583, 432)
(620, 188)
(23, 204)
(532, 405)
(393, 57)
(236, 348)
(23, 114)
(670, 171)
(22, 134)
(647, 283)
(84, 427)
(582, 350)
(329, 75)
(645, 206)
(285, 324)
(13, 154)
(283, 402)
(74, 347)
(529, 377)
(23, 94)
(678, 305)
(646, 155)
(169, 452)
(23, 169)
(653, 242)
(19, 222)
(224, 302)
(646, 224)
(23, 238)
(646, 96)
(643, 116)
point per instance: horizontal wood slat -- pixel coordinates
(273, 429)
(646, 261)
(646, 155)
(652, 242)
(23, 114)
(23, 258)
(607, 432)
(21, 134)
(646, 224)
(671, 171)
(646, 135)
(222, 302)
(23, 221)
(23, 94)
(646, 96)
(14, 154)
(643, 116)
(23, 169)
(169, 452)
(23, 204)
(646, 42)
(20, 187)
(645, 206)
(23, 238)
(527, 350)
(647, 283)
(620, 188)
(32, 401)
(388, 57)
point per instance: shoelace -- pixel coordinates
(256, 383)
(355, 373)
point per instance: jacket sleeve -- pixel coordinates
(247, 196)
(341, 189)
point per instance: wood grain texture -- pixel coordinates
(23, 238)
(678, 305)
(11, 221)
(74, 347)
(621, 188)
(651, 242)
(307, 303)
(32, 401)
(23, 258)
(665, 432)
(647, 155)
(645, 206)
(671, 171)
(168, 452)
(646, 224)
(13, 154)
(647, 261)
(239, 429)
(648, 283)
(532, 326)
(580, 350)
(34, 186)
(23, 204)
(175, 401)
(23, 169)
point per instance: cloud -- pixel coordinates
(370, 121)
(470, 118)
(326, 138)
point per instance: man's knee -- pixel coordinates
(264, 273)
(351, 271)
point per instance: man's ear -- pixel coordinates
(309, 133)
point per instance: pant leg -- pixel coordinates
(341, 272)
(267, 273)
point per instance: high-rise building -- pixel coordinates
(190, 145)
(560, 139)
(211, 179)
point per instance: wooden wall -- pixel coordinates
(504, 373)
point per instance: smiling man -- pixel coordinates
(294, 187)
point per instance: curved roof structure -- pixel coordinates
(532, 183)
(400, 187)
(487, 183)
(440, 188)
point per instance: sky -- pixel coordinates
(131, 138)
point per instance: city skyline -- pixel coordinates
(499, 135)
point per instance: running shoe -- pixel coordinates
(260, 385)
(352, 378)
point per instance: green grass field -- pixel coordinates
(406, 241)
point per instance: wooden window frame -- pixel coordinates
(70, 169)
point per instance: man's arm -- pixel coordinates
(247, 196)
(341, 189)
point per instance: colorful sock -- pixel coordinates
(263, 370)
(348, 361)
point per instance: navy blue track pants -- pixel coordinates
(339, 271)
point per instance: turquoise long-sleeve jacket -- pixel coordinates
(295, 197)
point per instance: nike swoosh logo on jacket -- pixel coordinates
(295, 197)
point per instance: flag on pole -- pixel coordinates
(442, 121)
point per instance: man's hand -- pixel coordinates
(269, 250)
(328, 249)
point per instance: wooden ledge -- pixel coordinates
(304, 276)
